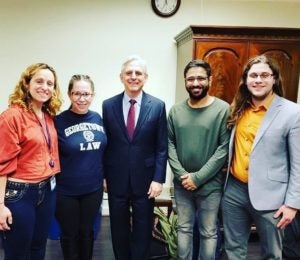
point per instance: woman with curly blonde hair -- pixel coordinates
(28, 162)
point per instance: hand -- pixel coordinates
(187, 182)
(154, 190)
(5, 218)
(104, 185)
(287, 215)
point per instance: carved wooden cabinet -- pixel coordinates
(227, 49)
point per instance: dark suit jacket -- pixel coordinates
(131, 165)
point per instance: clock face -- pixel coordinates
(165, 8)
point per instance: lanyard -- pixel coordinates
(47, 137)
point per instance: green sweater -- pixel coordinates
(198, 143)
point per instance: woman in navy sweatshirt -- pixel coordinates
(82, 141)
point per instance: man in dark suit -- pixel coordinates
(135, 161)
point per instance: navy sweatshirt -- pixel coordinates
(81, 143)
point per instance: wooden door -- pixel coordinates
(287, 56)
(226, 58)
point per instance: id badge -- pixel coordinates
(52, 182)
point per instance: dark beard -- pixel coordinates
(198, 96)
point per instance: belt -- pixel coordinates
(28, 184)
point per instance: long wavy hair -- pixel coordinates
(22, 97)
(243, 95)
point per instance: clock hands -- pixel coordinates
(165, 8)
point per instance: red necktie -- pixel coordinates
(131, 118)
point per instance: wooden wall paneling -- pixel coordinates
(226, 59)
(228, 48)
(287, 56)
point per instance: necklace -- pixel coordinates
(47, 136)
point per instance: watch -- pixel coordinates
(165, 8)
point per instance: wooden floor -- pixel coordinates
(103, 247)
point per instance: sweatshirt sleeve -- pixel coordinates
(174, 162)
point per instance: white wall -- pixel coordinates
(95, 36)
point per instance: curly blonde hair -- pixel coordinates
(21, 97)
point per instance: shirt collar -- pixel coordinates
(138, 98)
(265, 105)
(269, 101)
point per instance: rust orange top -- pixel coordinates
(24, 151)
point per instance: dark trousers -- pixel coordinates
(131, 230)
(76, 216)
(32, 206)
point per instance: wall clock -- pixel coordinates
(165, 8)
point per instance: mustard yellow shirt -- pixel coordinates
(246, 129)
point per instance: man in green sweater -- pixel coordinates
(198, 145)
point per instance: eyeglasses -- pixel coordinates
(85, 95)
(263, 76)
(192, 79)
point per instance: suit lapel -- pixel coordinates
(145, 109)
(117, 107)
(268, 119)
(231, 144)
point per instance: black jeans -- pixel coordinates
(76, 216)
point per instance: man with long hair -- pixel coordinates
(263, 177)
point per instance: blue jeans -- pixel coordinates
(196, 242)
(189, 206)
(238, 215)
(32, 206)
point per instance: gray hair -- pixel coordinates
(135, 58)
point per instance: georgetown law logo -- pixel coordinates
(89, 144)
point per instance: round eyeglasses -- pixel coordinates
(263, 75)
(85, 95)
